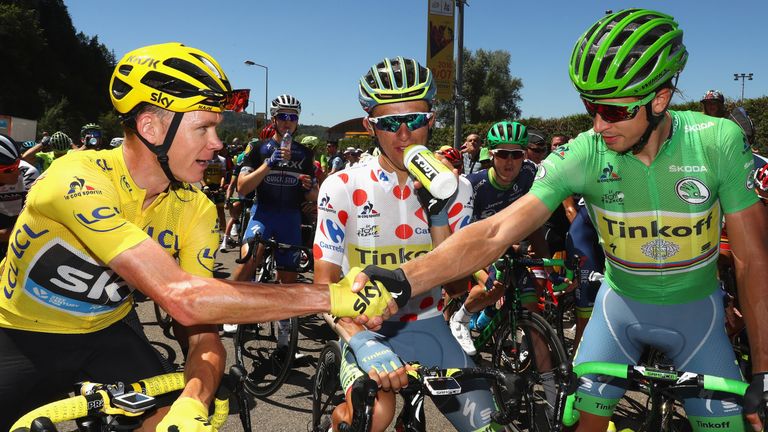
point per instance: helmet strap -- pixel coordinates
(161, 151)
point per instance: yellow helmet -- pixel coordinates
(172, 76)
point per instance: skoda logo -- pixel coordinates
(541, 172)
(692, 190)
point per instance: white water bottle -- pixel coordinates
(433, 174)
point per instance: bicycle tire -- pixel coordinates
(256, 351)
(565, 322)
(512, 353)
(326, 386)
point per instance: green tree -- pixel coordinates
(490, 91)
(22, 40)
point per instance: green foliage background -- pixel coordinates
(59, 76)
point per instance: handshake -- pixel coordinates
(373, 292)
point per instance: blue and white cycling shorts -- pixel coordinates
(691, 335)
(282, 226)
(430, 343)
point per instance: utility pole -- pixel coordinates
(742, 76)
(458, 96)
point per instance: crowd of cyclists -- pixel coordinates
(640, 198)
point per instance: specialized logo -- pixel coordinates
(100, 219)
(613, 197)
(368, 231)
(687, 168)
(692, 190)
(63, 278)
(79, 188)
(367, 211)
(608, 175)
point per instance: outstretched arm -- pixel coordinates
(476, 246)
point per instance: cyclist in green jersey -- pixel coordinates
(656, 183)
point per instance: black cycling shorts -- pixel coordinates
(37, 368)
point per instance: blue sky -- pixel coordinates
(317, 50)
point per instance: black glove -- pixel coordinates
(394, 281)
(436, 209)
(756, 397)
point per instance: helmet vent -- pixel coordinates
(120, 88)
(194, 72)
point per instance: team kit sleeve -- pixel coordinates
(735, 167)
(333, 212)
(460, 213)
(87, 205)
(562, 173)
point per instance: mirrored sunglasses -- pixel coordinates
(391, 123)
(613, 112)
(287, 117)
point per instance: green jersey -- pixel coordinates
(660, 224)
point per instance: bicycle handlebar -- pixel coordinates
(97, 398)
(674, 379)
(270, 243)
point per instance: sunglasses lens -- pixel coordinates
(392, 123)
(506, 154)
(287, 117)
(610, 113)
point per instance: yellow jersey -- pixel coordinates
(83, 212)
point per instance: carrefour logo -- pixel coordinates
(333, 231)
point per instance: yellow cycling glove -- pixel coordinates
(186, 415)
(371, 301)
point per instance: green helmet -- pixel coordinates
(629, 53)
(506, 132)
(60, 142)
(88, 127)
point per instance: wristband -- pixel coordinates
(440, 219)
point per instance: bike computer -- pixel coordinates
(440, 386)
(134, 402)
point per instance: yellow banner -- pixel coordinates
(440, 45)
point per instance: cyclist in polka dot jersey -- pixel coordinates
(370, 215)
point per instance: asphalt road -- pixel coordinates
(290, 408)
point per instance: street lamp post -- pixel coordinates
(266, 86)
(742, 76)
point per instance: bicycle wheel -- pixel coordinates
(534, 351)
(565, 323)
(265, 362)
(326, 387)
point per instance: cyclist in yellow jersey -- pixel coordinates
(99, 225)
